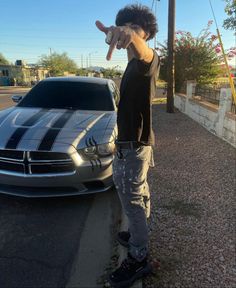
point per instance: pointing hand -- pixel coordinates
(116, 37)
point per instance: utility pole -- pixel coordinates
(82, 61)
(90, 60)
(171, 57)
(87, 64)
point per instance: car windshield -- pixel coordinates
(69, 95)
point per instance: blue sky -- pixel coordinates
(31, 28)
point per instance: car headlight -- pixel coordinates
(94, 152)
(89, 150)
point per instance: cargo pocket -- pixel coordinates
(119, 168)
(143, 153)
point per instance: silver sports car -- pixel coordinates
(59, 139)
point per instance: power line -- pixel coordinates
(76, 46)
(54, 31)
(154, 9)
(102, 57)
(50, 37)
(60, 38)
(153, 1)
(224, 57)
(214, 16)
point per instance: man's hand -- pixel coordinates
(117, 37)
(125, 36)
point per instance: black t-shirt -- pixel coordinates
(138, 87)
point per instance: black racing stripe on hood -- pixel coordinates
(89, 137)
(20, 132)
(51, 135)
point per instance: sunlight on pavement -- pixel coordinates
(159, 101)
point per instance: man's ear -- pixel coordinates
(146, 36)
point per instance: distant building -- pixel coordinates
(21, 74)
(95, 74)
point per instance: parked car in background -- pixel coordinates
(59, 138)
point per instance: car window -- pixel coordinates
(70, 95)
(115, 93)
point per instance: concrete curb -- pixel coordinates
(95, 247)
(123, 251)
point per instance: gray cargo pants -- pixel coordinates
(130, 169)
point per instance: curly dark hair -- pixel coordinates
(140, 15)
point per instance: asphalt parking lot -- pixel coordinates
(60, 242)
(7, 92)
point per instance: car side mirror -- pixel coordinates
(16, 98)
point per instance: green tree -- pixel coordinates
(3, 60)
(230, 9)
(57, 64)
(111, 72)
(195, 58)
(81, 72)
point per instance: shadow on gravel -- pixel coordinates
(184, 209)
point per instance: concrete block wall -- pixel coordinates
(229, 129)
(216, 119)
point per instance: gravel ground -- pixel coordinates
(192, 224)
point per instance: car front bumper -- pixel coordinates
(87, 177)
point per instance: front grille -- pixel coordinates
(51, 168)
(11, 167)
(48, 156)
(35, 163)
(11, 154)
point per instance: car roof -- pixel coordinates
(95, 80)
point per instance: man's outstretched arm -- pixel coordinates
(122, 37)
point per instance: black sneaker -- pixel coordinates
(123, 238)
(129, 271)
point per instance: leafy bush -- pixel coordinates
(3, 60)
(230, 9)
(195, 57)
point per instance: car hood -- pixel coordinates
(35, 129)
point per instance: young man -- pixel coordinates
(135, 24)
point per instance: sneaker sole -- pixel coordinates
(125, 284)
